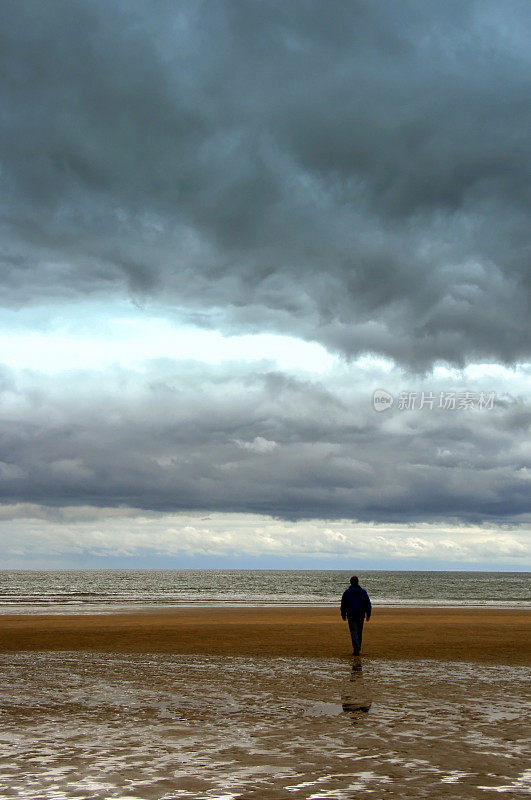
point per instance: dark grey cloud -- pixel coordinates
(190, 437)
(351, 173)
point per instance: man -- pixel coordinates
(356, 607)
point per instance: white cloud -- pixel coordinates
(257, 445)
(29, 531)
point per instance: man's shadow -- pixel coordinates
(356, 695)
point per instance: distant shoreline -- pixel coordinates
(146, 607)
(468, 634)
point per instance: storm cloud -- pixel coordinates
(354, 174)
(224, 225)
(189, 437)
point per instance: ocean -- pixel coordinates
(106, 591)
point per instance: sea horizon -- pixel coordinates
(119, 590)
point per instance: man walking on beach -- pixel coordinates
(356, 607)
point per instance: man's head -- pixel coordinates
(354, 581)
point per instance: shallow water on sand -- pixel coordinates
(77, 725)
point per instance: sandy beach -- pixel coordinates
(156, 726)
(264, 703)
(482, 635)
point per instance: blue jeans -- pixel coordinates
(356, 632)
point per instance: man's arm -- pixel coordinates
(368, 607)
(343, 607)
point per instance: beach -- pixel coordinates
(484, 635)
(264, 704)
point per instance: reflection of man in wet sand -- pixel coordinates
(356, 607)
(356, 694)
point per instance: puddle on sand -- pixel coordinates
(162, 727)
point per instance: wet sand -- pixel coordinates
(481, 635)
(155, 726)
(264, 703)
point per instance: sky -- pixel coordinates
(226, 225)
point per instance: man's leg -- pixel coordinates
(353, 627)
(359, 623)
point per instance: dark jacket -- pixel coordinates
(355, 603)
